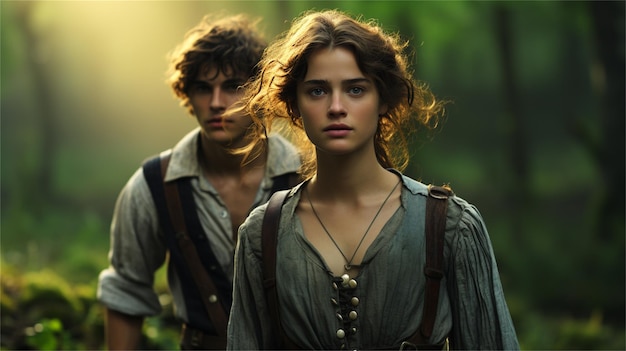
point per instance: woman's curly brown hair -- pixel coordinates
(380, 56)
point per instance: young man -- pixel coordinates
(216, 191)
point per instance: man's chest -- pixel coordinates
(239, 198)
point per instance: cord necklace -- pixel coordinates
(348, 264)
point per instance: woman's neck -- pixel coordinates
(344, 177)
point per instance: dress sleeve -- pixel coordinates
(137, 251)
(249, 323)
(481, 318)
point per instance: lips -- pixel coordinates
(337, 130)
(217, 122)
(337, 127)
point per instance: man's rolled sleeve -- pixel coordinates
(137, 251)
(119, 294)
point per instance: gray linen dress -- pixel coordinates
(383, 306)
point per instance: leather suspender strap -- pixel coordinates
(208, 291)
(435, 227)
(269, 233)
(436, 210)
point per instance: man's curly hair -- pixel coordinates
(231, 44)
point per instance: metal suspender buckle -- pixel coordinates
(440, 192)
(433, 273)
(196, 338)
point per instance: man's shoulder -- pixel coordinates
(281, 144)
(283, 156)
(184, 157)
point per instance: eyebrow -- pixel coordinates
(238, 81)
(345, 82)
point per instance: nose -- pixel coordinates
(217, 100)
(336, 108)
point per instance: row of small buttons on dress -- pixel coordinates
(346, 283)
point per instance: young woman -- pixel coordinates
(351, 254)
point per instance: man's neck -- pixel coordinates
(217, 159)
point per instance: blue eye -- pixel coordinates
(356, 90)
(316, 92)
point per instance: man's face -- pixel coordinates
(210, 95)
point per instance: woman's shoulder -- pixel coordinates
(414, 186)
(460, 214)
(251, 230)
(464, 215)
(465, 228)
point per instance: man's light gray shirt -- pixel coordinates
(138, 248)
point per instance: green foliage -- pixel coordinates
(161, 334)
(48, 297)
(567, 333)
(49, 335)
(73, 241)
(46, 294)
(40, 310)
(589, 335)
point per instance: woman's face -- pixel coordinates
(338, 104)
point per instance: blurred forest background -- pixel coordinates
(534, 137)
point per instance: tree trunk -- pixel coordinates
(608, 22)
(46, 120)
(518, 136)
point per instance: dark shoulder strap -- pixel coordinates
(269, 233)
(271, 221)
(285, 181)
(208, 290)
(435, 227)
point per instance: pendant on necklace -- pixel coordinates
(347, 267)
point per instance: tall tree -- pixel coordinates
(46, 121)
(608, 25)
(518, 151)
